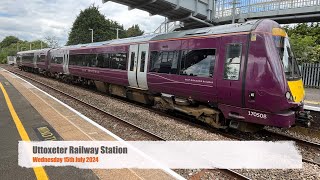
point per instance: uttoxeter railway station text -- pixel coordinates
(80, 150)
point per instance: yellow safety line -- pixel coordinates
(311, 102)
(39, 171)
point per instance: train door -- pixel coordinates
(65, 61)
(232, 67)
(35, 59)
(137, 66)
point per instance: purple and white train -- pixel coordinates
(242, 76)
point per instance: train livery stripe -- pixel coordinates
(297, 90)
(39, 171)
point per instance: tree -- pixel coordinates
(90, 18)
(52, 41)
(305, 41)
(134, 31)
(303, 47)
(10, 47)
(7, 41)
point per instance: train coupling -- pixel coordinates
(304, 118)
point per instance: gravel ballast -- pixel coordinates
(163, 126)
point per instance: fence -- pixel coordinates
(311, 75)
(224, 7)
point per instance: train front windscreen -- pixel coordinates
(290, 64)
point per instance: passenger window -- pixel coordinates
(72, 60)
(59, 60)
(42, 58)
(198, 62)
(118, 61)
(143, 60)
(233, 61)
(90, 60)
(164, 62)
(132, 61)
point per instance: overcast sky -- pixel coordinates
(34, 19)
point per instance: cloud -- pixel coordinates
(36, 19)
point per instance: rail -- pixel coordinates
(156, 137)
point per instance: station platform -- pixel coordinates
(29, 114)
(312, 99)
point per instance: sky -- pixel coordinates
(35, 19)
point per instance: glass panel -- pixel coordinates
(143, 61)
(132, 61)
(288, 61)
(233, 61)
(42, 58)
(198, 63)
(155, 61)
(58, 60)
(164, 62)
(90, 60)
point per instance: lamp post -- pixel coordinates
(91, 34)
(117, 29)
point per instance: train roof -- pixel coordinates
(221, 29)
(34, 51)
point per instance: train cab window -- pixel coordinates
(143, 61)
(198, 62)
(164, 62)
(232, 62)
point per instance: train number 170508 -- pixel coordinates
(258, 115)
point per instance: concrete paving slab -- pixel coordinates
(312, 97)
(70, 126)
(9, 137)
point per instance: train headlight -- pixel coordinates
(288, 95)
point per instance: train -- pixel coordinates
(242, 76)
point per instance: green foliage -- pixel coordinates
(90, 18)
(305, 42)
(134, 31)
(10, 45)
(7, 41)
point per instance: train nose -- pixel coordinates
(297, 90)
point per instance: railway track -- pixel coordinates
(228, 172)
(188, 121)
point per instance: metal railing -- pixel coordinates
(311, 74)
(224, 8)
(168, 26)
